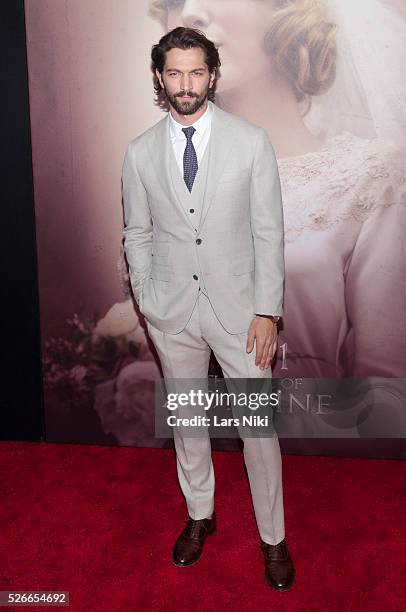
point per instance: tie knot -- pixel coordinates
(188, 132)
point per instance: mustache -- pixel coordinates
(190, 94)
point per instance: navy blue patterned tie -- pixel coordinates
(189, 158)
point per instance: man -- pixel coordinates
(203, 237)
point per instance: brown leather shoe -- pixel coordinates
(279, 570)
(189, 545)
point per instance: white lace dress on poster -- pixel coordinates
(345, 222)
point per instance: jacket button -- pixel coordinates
(191, 210)
(198, 240)
(195, 276)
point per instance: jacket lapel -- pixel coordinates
(221, 143)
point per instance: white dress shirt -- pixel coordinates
(200, 137)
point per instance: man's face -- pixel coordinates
(186, 79)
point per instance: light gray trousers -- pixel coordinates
(186, 355)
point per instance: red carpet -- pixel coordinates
(100, 522)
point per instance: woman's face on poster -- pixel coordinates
(237, 28)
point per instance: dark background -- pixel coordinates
(21, 405)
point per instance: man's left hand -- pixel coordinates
(265, 333)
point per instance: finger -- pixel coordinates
(264, 354)
(271, 354)
(273, 348)
(260, 350)
(250, 341)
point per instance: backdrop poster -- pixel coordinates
(326, 82)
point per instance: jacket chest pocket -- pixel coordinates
(235, 176)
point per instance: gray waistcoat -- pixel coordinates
(194, 199)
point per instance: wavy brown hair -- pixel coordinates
(183, 38)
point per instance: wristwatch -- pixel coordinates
(274, 318)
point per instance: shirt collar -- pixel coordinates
(200, 125)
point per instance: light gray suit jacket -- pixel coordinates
(239, 244)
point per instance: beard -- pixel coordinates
(187, 107)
